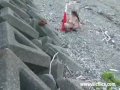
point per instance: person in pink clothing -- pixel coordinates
(73, 22)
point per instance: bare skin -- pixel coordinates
(72, 22)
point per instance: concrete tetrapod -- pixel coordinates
(57, 70)
(7, 3)
(51, 49)
(41, 41)
(15, 75)
(44, 30)
(9, 15)
(21, 46)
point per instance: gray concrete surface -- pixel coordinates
(21, 13)
(21, 46)
(51, 49)
(15, 75)
(57, 70)
(8, 15)
(49, 81)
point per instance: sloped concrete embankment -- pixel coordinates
(26, 51)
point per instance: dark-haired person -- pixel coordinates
(42, 22)
(73, 22)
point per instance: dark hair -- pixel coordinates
(75, 14)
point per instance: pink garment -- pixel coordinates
(63, 29)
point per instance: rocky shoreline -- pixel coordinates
(34, 57)
(96, 46)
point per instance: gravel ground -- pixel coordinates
(96, 47)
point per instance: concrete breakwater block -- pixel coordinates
(16, 9)
(57, 70)
(15, 75)
(30, 2)
(46, 30)
(46, 39)
(19, 4)
(42, 41)
(23, 5)
(49, 81)
(49, 32)
(8, 15)
(21, 46)
(37, 69)
(31, 12)
(52, 49)
(37, 42)
(69, 84)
